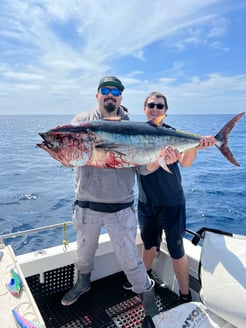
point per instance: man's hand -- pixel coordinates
(171, 155)
(167, 156)
(207, 141)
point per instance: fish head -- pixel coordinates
(70, 149)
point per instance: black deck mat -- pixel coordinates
(106, 305)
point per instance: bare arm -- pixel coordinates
(189, 156)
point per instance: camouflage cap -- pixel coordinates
(111, 81)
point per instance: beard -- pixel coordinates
(110, 107)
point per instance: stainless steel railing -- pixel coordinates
(31, 231)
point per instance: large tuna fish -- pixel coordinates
(119, 144)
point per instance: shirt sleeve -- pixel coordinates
(142, 170)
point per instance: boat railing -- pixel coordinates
(54, 226)
(34, 230)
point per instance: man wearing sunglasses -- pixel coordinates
(106, 197)
(109, 97)
(161, 203)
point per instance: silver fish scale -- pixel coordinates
(141, 149)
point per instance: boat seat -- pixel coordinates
(222, 273)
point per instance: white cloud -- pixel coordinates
(22, 76)
(59, 49)
(218, 28)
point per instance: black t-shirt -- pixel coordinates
(161, 188)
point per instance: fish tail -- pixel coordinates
(223, 136)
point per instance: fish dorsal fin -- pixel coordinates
(157, 120)
(113, 118)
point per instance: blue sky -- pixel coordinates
(53, 53)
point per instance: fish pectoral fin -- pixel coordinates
(109, 146)
(164, 165)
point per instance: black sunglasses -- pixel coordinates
(152, 105)
(115, 92)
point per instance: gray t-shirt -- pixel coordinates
(104, 185)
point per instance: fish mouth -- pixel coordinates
(45, 142)
(42, 135)
(45, 145)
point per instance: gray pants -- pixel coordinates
(122, 229)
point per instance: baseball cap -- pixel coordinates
(111, 80)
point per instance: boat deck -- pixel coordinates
(106, 305)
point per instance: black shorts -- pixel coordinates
(171, 219)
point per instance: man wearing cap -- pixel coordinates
(107, 102)
(106, 197)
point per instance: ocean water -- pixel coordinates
(38, 191)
